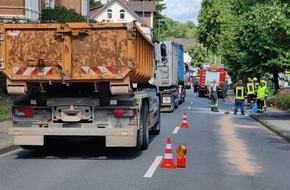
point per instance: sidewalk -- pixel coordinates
(6, 141)
(276, 120)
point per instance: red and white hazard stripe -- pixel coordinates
(32, 71)
(168, 152)
(99, 70)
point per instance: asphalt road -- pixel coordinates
(223, 152)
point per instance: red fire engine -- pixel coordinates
(207, 73)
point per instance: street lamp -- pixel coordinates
(159, 21)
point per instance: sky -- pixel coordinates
(182, 10)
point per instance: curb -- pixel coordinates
(8, 149)
(271, 127)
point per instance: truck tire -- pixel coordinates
(176, 103)
(143, 132)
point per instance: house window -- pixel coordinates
(109, 14)
(122, 14)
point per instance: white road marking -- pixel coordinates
(153, 167)
(175, 130)
(191, 102)
(189, 108)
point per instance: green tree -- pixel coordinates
(94, 3)
(170, 28)
(60, 14)
(198, 53)
(254, 37)
(233, 57)
(266, 35)
(209, 28)
(191, 30)
(258, 43)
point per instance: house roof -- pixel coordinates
(104, 7)
(149, 6)
(185, 42)
(93, 10)
(130, 6)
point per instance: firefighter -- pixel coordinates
(256, 83)
(214, 96)
(261, 96)
(250, 93)
(225, 87)
(265, 105)
(240, 92)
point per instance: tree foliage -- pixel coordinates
(199, 54)
(60, 14)
(209, 27)
(170, 28)
(94, 3)
(252, 36)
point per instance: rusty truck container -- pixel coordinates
(75, 52)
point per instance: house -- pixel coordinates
(185, 42)
(24, 10)
(125, 11)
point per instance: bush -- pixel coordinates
(282, 99)
(5, 105)
(60, 14)
(271, 101)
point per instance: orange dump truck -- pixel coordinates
(80, 80)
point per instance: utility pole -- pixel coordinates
(143, 8)
(88, 11)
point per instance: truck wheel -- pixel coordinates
(143, 132)
(176, 104)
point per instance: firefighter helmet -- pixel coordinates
(263, 82)
(255, 79)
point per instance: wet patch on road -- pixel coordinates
(236, 149)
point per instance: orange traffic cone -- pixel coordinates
(168, 158)
(184, 121)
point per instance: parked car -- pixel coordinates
(285, 88)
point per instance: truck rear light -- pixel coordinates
(124, 113)
(26, 112)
